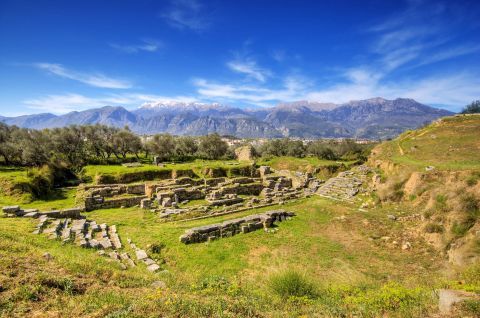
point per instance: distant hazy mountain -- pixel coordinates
(372, 118)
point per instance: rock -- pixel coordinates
(391, 217)
(449, 297)
(31, 215)
(152, 268)
(159, 284)
(145, 203)
(47, 256)
(11, 209)
(264, 170)
(141, 254)
(406, 246)
(114, 255)
(167, 202)
(123, 266)
(148, 261)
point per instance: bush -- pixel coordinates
(41, 181)
(292, 284)
(459, 229)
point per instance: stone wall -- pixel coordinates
(232, 227)
(73, 213)
(94, 203)
(243, 189)
(114, 189)
(180, 194)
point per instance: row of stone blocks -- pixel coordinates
(98, 202)
(73, 213)
(232, 227)
(82, 232)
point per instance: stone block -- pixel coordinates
(153, 268)
(141, 254)
(11, 209)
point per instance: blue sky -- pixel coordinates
(59, 56)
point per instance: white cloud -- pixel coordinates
(97, 79)
(292, 88)
(186, 14)
(60, 104)
(146, 46)
(453, 90)
(250, 68)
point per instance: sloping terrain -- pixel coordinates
(436, 170)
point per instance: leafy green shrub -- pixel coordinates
(157, 248)
(459, 229)
(41, 180)
(471, 207)
(434, 228)
(291, 283)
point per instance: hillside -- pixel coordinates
(375, 118)
(436, 170)
(450, 143)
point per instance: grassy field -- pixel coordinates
(334, 246)
(330, 260)
(91, 172)
(308, 164)
(450, 144)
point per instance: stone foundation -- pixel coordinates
(73, 213)
(232, 227)
(95, 203)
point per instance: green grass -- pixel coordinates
(344, 267)
(308, 164)
(227, 277)
(91, 172)
(451, 144)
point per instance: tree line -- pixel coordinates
(323, 149)
(75, 146)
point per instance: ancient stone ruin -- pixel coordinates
(112, 196)
(212, 195)
(345, 186)
(217, 196)
(229, 228)
(70, 226)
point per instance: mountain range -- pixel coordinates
(375, 118)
